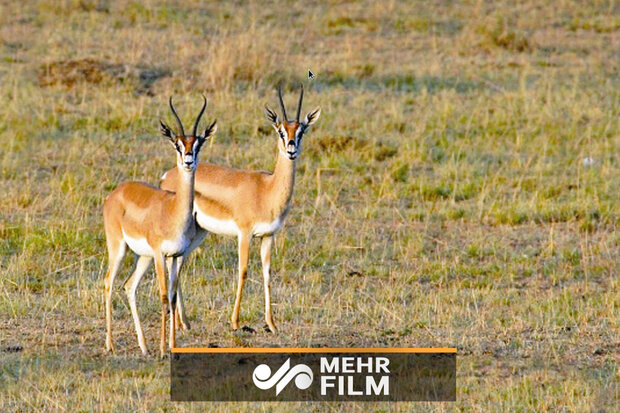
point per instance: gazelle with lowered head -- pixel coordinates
(249, 204)
(154, 224)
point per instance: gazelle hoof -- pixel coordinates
(248, 329)
(181, 322)
(270, 328)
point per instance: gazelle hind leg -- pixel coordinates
(244, 251)
(265, 256)
(115, 257)
(142, 265)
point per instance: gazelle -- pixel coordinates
(154, 223)
(249, 204)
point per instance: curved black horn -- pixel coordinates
(204, 105)
(301, 98)
(282, 102)
(174, 112)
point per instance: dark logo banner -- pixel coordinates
(313, 374)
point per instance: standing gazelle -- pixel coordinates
(154, 223)
(249, 204)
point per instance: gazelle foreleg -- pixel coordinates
(163, 294)
(131, 285)
(265, 256)
(173, 283)
(243, 255)
(181, 318)
(179, 308)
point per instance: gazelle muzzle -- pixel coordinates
(291, 149)
(188, 159)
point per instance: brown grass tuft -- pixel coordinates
(70, 72)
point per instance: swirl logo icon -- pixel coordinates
(264, 380)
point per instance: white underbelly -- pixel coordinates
(217, 226)
(261, 229)
(139, 245)
(168, 247)
(175, 247)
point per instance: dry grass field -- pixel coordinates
(461, 188)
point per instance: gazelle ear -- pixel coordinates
(312, 117)
(210, 131)
(166, 131)
(271, 115)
